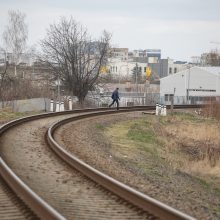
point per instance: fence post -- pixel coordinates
(57, 107)
(165, 110)
(172, 101)
(62, 106)
(157, 109)
(51, 105)
(70, 104)
(162, 111)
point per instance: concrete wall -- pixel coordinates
(29, 105)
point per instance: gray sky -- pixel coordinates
(180, 28)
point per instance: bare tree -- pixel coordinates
(15, 35)
(3, 77)
(214, 58)
(74, 57)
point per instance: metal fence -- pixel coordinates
(129, 99)
(181, 100)
(126, 99)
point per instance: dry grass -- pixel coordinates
(212, 110)
(186, 142)
(6, 114)
(192, 144)
(199, 141)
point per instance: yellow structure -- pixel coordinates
(104, 69)
(148, 72)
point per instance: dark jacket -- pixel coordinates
(115, 95)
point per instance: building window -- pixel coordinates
(140, 69)
(175, 70)
(168, 97)
(116, 69)
(113, 68)
(145, 68)
(170, 70)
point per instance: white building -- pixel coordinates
(194, 85)
(177, 66)
(124, 69)
(25, 58)
(119, 53)
(122, 62)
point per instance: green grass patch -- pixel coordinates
(99, 126)
(141, 133)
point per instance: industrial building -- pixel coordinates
(191, 86)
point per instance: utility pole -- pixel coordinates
(172, 99)
(136, 76)
(58, 90)
(188, 101)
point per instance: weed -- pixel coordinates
(182, 116)
(141, 133)
(99, 126)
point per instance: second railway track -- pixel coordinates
(70, 192)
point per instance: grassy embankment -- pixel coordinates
(161, 146)
(6, 114)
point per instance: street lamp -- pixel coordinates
(136, 74)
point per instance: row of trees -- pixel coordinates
(14, 40)
(15, 36)
(73, 57)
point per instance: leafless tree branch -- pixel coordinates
(74, 56)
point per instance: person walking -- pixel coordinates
(115, 98)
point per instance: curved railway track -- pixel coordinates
(54, 190)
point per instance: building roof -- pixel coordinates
(212, 69)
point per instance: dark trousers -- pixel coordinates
(117, 102)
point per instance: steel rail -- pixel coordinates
(31, 199)
(137, 198)
(28, 196)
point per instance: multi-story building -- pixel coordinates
(119, 53)
(176, 66)
(153, 55)
(24, 59)
(124, 70)
(122, 63)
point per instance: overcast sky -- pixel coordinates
(180, 28)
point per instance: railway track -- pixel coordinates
(51, 189)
